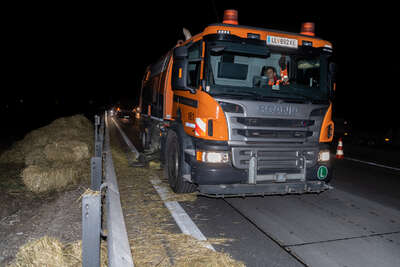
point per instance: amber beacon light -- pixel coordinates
(308, 28)
(230, 17)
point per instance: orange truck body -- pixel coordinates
(198, 116)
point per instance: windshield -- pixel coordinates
(273, 74)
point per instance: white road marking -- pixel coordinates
(368, 163)
(181, 218)
(126, 139)
(373, 164)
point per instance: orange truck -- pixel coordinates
(239, 110)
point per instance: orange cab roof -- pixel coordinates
(243, 31)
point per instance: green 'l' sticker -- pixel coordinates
(322, 172)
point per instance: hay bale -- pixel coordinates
(49, 251)
(60, 151)
(67, 129)
(55, 155)
(55, 177)
(67, 151)
(46, 251)
(35, 157)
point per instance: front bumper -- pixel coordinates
(226, 190)
(223, 179)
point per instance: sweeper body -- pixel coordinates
(238, 110)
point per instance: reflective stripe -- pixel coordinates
(200, 129)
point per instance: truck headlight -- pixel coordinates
(324, 155)
(212, 157)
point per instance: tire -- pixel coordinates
(174, 164)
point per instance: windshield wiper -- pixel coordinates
(235, 93)
(303, 97)
(293, 93)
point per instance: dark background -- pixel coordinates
(63, 59)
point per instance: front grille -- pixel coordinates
(271, 130)
(271, 122)
(271, 134)
(274, 158)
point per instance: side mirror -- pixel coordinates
(180, 70)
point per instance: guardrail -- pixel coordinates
(118, 249)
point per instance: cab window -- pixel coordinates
(194, 65)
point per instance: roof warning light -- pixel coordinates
(307, 28)
(230, 17)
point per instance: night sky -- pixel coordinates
(62, 59)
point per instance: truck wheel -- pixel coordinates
(174, 159)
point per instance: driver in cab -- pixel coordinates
(270, 73)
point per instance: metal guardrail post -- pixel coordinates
(99, 139)
(96, 173)
(98, 149)
(101, 129)
(96, 127)
(91, 230)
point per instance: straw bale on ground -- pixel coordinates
(55, 177)
(46, 251)
(67, 151)
(55, 155)
(49, 251)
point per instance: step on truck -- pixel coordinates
(239, 110)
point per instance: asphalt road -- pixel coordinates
(355, 224)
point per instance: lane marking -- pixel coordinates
(369, 163)
(342, 239)
(181, 218)
(127, 141)
(372, 163)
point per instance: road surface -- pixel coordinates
(355, 224)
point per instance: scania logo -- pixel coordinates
(286, 110)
